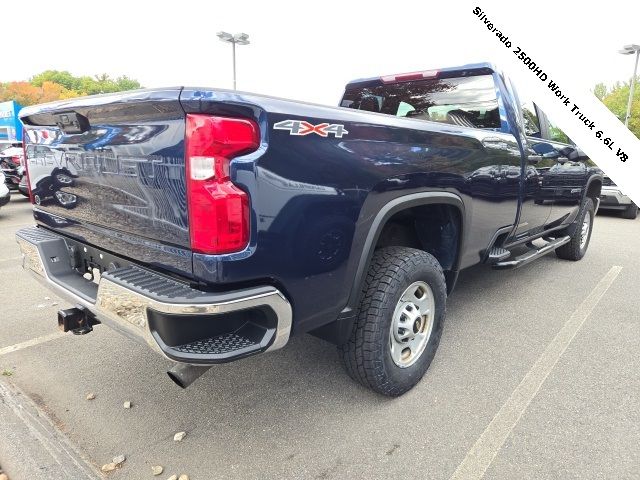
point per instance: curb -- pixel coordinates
(31, 447)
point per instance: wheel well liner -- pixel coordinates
(594, 187)
(395, 206)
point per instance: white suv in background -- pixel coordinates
(612, 198)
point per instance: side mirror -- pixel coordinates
(543, 148)
(573, 154)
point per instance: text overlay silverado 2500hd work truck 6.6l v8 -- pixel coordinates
(213, 225)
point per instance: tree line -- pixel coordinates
(52, 85)
(616, 98)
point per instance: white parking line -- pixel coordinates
(30, 343)
(481, 455)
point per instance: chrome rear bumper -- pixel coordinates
(132, 298)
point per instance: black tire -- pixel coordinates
(631, 212)
(367, 353)
(573, 250)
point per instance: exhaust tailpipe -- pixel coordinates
(184, 375)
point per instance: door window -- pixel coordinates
(531, 121)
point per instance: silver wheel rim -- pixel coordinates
(584, 231)
(412, 324)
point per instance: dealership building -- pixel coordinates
(10, 126)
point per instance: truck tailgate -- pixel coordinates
(110, 170)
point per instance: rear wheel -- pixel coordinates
(399, 322)
(580, 233)
(631, 212)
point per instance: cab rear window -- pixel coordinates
(464, 101)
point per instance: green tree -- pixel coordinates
(63, 78)
(125, 83)
(616, 100)
(81, 85)
(600, 91)
(26, 93)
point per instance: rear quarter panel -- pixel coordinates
(314, 198)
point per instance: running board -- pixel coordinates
(532, 254)
(497, 254)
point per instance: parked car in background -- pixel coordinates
(5, 194)
(10, 172)
(13, 152)
(12, 165)
(612, 198)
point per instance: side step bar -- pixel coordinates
(532, 254)
(497, 254)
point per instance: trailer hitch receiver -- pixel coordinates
(78, 320)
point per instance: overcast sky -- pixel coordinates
(300, 50)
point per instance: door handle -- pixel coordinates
(534, 159)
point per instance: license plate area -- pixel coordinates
(92, 262)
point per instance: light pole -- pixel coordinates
(239, 39)
(630, 50)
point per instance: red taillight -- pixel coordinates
(218, 210)
(407, 77)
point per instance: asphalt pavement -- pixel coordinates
(537, 376)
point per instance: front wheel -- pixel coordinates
(399, 322)
(580, 233)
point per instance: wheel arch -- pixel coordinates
(340, 329)
(593, 189)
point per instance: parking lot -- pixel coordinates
(537, 376)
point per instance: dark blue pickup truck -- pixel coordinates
(214, 224)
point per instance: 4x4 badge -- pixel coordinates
(300, 127)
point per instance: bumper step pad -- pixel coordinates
(219, 345)
(153, 285)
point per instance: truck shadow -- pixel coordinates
(310, 368)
